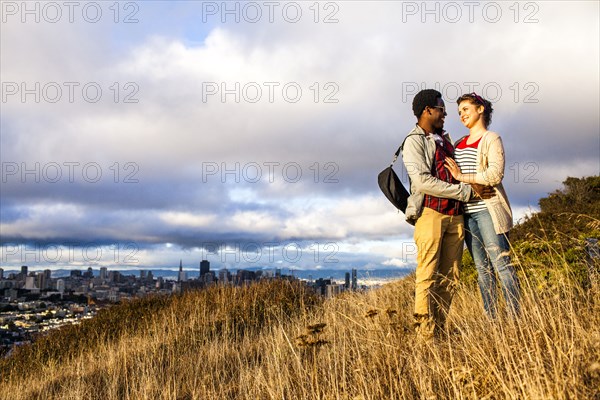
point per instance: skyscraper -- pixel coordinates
(181, 277)
(23, 272)
(354, 281)
(204, 267)
(45, 282)
(40, 280)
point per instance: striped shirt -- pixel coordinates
(465, 156)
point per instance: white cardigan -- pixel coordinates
(490, 171)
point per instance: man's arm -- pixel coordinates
(419, 172)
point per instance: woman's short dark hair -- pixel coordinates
(425, 98)
(474, 98)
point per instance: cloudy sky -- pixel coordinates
(136, 134)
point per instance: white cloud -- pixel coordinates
(395, 262)
(188, 219)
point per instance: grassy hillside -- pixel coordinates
(276, 340)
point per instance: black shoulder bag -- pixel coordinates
(391, 186)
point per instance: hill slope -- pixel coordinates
(277, 341)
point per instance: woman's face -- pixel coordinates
(469, 113)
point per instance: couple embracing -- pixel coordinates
(457, 196)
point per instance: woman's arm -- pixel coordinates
(493, 173)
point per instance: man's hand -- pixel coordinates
(483, 191)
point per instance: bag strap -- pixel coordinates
(397, 153)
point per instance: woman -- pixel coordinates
(480, 159)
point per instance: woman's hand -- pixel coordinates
(451, 165)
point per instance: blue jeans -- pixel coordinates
(490, 253)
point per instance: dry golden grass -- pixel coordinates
(276, 341)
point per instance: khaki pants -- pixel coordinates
(439, 239)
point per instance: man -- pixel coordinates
(435, 208)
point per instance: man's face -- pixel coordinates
(438, 113)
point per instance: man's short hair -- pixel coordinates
(425, 98)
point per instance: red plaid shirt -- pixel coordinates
(438, 170)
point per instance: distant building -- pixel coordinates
(43, 280)
(332, 290)
(113, 295)
(244, 276)
(103, 273)
(1, 274)
(181, 277)
(40, 281)
(21, 276)
(207, 278)
(354, 280)
(224, 276)
(204, 267)
(114, 276)
(30, 283)
(347, 280)
(321, 286)
(60, 286)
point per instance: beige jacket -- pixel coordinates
(490, 171)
